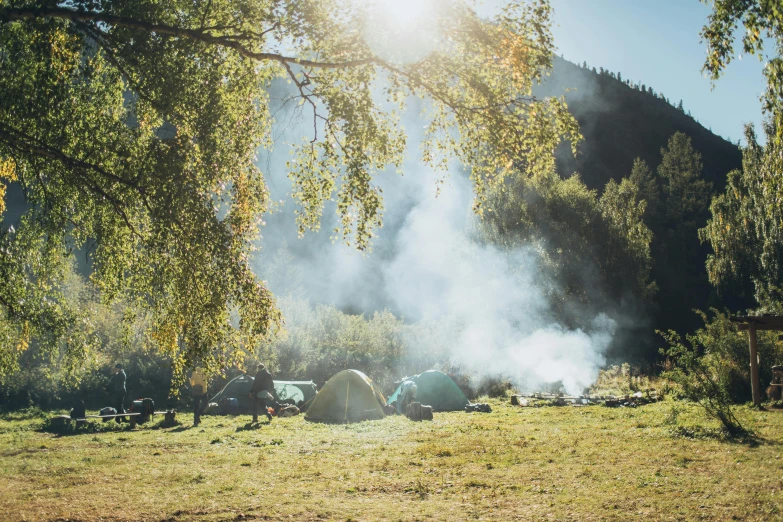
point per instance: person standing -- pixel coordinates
(262, 392)
(117, 390)
(198, 386)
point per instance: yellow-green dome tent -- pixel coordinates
(349, 396)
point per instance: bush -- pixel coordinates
(712, 368)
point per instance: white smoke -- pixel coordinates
(500, 317)
(490, 306)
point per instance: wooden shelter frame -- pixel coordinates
(753, 323)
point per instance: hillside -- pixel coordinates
(620, 123)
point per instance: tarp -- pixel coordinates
(349, 396)
(239, 387)
(435, 389)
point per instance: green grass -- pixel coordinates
(568, 463)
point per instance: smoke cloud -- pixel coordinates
(489, 305)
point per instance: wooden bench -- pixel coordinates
(62, 420)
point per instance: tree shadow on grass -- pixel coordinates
(252, 426)
(745, 438)
(181, 428)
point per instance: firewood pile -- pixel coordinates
(610, 401)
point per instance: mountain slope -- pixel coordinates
(620, 123)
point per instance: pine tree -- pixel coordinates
(649, 189)
(620, 76)
(680, 107)
(687, 195)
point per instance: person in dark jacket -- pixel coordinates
(263, 392)
(117, 390)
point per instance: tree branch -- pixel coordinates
(200, 35)
(24, 143)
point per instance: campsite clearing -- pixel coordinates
(567, 463)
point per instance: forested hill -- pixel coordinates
(620, 122)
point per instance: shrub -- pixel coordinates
(711, 366)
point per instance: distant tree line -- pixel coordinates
(635, 85)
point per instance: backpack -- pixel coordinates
(229, 405)
(107, 411)
(149, 406)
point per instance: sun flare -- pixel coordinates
(403, 14)
(401, 30)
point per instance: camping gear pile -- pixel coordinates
(543, 399)
(478, 407)
(776, 385)
(416, 411)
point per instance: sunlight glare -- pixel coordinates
(404, 13)
(401, 30)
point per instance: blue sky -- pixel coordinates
(656, 42)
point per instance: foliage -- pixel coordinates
(685, 194)
(596, 248)
(132, 128)
(763, 24)
(320, 341)
(112, 333)
(677, 198)
(712, 368)
(746, 228)
(649, 189)
(622, 380)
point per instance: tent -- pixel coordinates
(239, 387)
(296, 390)
(436, 389)
(349, 396)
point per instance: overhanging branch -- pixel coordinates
(231, 41)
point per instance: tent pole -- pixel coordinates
(347, 389)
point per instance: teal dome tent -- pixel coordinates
(436, 389)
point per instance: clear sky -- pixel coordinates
(656, 42)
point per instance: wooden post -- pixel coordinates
(754, 364)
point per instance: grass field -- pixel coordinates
(567, 463)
